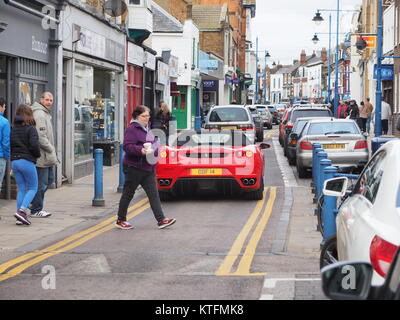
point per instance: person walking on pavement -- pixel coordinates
(48, 157)
(4, 140)
(386, 114)
(138, 143)
(25, 150)
(342, 110)
(369, 109)
(363, 117)
(353, 111)
(164, 117)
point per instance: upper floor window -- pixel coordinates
(134, 1)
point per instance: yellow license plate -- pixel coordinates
(229, 128)
(333, 146)
(206, 172)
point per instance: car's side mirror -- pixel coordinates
(347, 280)
(335, 187)
(264, 146)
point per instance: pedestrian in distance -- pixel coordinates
(25, 150)
(163, 117)
(385, 116)
(4, 140)
(353, 111)
(369, 109)
(48, 157)
(139, 142)
(363, 117)
(342, 110)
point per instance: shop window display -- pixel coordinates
(94, 110)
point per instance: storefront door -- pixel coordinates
(179, 109)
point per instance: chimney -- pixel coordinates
(303, 57)
(189, 14)
(324, 55)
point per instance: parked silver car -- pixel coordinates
(340, 138)
(265, 115)
(231, 117)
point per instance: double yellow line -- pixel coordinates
(243, 268)
(270, 133)
(68, 243)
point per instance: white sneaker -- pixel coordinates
(40, 214)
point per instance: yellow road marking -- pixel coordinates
(14, 272)
(229, 261)
(245, 263)
(53, 248)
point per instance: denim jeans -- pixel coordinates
(133, 178)
(369, 123)
(27, 181)
(3, 163)
(45, 179)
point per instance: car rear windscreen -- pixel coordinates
(309, 113)
(229, 115)
(326, 128)
(218, 138)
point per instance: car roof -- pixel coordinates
(230, 106)
(311, 118)
(330, 119)
(310, 106)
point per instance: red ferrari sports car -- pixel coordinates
(211, 161)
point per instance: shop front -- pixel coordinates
(28, 62)
(94, 100)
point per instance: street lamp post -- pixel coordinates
(256, 70)
(318, 19)
(378, 107)
(267, 55)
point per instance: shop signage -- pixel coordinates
(210, 85)
(135, 54)
(387, 71)
(209, 64)
(94, 44)
(173, 67)
(150, 61)
(162, 73)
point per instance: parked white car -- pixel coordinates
(368, 222)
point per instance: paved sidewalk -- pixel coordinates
(71, 208)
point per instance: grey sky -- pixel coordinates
(284, 27)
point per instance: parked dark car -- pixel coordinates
(275, 114)
(300, 112)
(258, 122)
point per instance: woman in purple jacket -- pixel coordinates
(139, 169)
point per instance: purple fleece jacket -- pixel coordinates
(135, 137)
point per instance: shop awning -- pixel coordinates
(174, 89)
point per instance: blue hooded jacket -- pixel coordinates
(4, 137)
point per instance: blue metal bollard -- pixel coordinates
(321, 179)
(315, 165)
(98, 200)
(329, 209)
(197, 123)
(121, 169)
(321, 155)
(314, 159)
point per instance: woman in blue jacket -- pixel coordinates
(4, 140)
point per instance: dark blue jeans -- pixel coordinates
(45, 179)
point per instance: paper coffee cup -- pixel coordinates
(147, 145)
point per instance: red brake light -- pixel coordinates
(305, 146)
(246, 127)
(289, 125)
(361, 144)
(381, 254)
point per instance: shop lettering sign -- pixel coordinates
(39, 46)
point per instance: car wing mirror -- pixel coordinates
(294, 136)
(335, 187)
(347, 280)
(264, 146)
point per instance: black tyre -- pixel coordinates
(292, 161)
(256, 195)
(329, 253)
(269, 126)
(301, 171)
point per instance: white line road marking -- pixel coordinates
(287, 173)
(271, 283)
